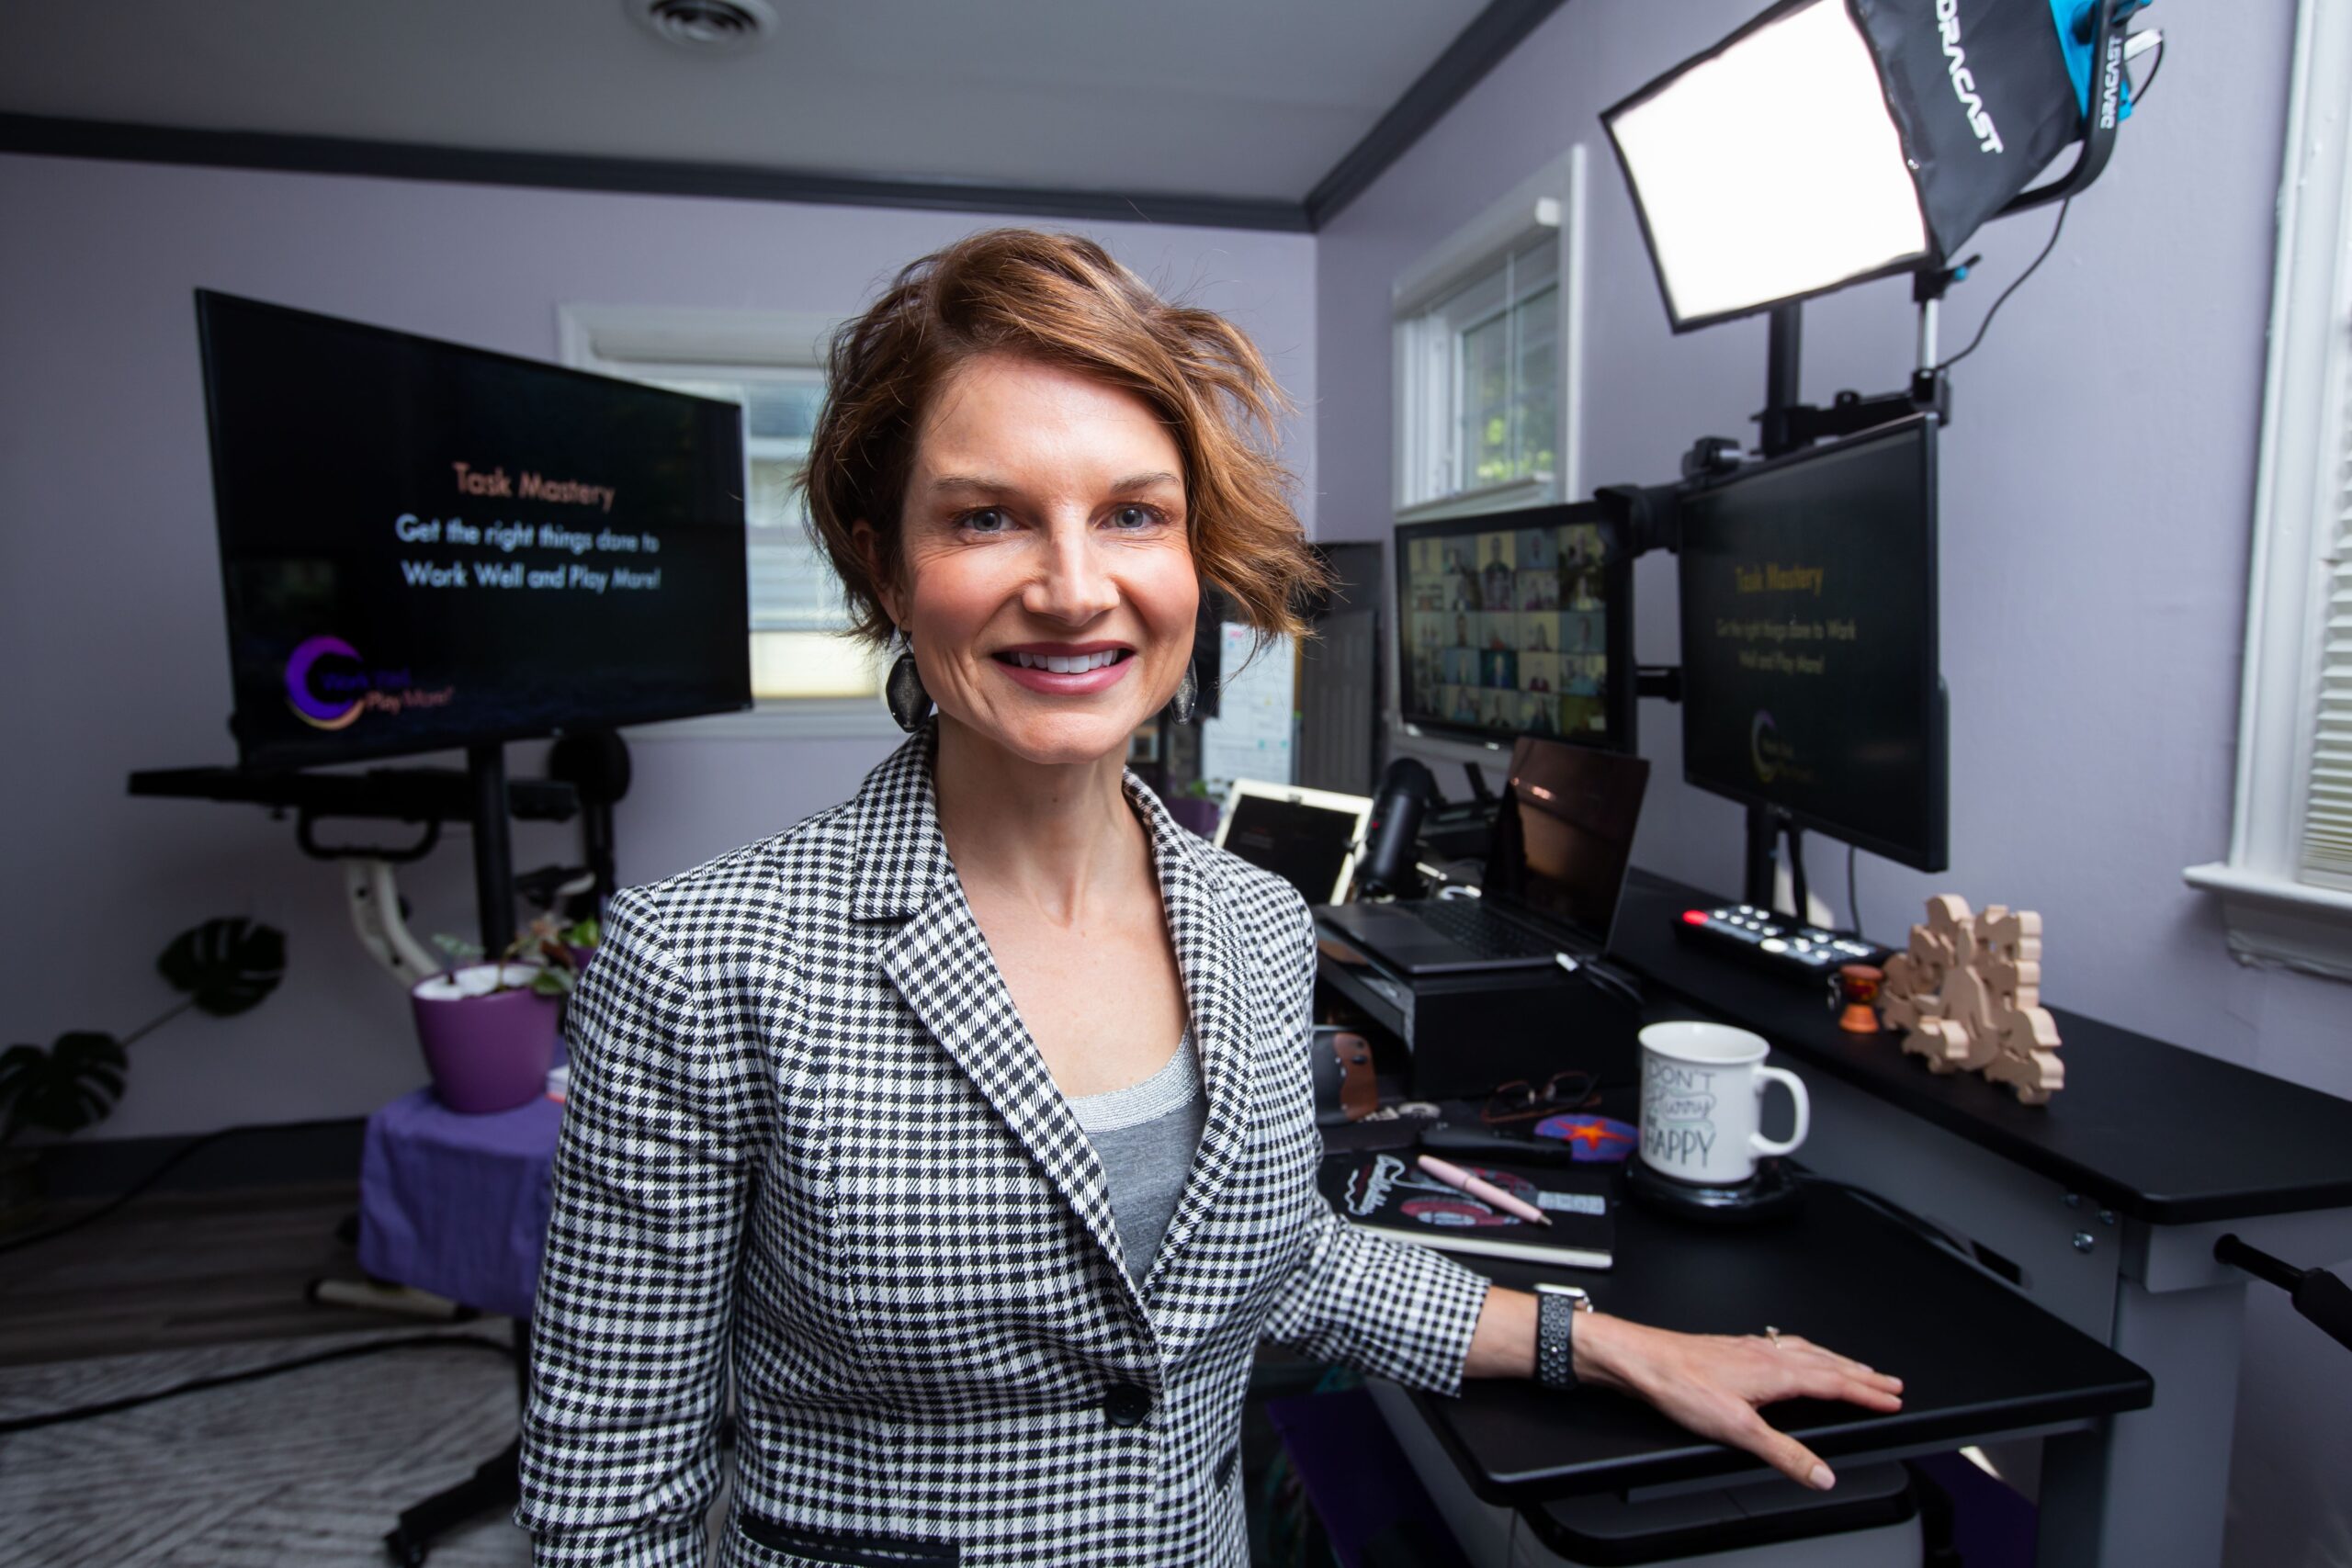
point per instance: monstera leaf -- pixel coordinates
(225, 966)
(65, 1088)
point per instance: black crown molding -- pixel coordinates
(1491, 35)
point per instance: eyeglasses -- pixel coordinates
(1519, 1100)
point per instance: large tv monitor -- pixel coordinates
(1811, 676)
(427, 545)
(1516, 623)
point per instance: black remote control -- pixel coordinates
(1785, 946)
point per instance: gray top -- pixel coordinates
(1145, 1134)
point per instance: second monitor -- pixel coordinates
(1811, 678)
(1516, 623)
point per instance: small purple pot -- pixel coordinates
(486, 1051)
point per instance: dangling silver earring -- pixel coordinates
(903, 691)
(1187, 697)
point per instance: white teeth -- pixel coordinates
(1066, 665)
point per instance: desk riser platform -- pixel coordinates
(1491, 1535)
(2148, 1487)
(1500, 1027)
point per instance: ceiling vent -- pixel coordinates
(707, 27)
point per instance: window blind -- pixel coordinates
(2327, 799)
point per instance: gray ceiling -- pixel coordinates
(1237, 98)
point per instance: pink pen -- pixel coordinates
(1455, 1176)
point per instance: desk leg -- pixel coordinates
(2151, 1487)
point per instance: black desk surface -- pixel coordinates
(1976, 1357)
(2142, 1127)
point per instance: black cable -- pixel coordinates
(1853, 899)
(2051, 244)
(1800, 894)
(198, 1385)
(144, 1182)
(2140, 93)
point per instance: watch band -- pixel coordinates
(1555, 1311)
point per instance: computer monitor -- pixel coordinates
(1307, 836)
(1516, 623)
(425, 545)
(1565, 835)
(1811, 679)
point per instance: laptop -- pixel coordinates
(1307, 836)
(1563, 838)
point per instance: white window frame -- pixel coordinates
(1551, 199)
(2275, 912)
(646, 341)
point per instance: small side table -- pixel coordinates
(457, 1205)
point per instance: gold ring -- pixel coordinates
(1773, 1334)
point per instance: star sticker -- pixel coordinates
(1591, 1138)
(1591, 1133)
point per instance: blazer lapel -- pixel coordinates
(1208, 954)
(940, 962)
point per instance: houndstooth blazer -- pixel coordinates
(809, 1139)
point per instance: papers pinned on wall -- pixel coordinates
(1250, 737)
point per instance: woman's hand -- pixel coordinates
(1711, 1383)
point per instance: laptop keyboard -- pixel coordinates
(1479, 929)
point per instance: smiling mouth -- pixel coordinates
(1064, 663)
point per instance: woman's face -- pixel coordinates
(1044, 573)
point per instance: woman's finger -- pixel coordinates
(1783, 1453)
(1844, 1363)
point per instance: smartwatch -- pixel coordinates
(1556, 1310)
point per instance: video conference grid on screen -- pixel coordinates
(1507, 631)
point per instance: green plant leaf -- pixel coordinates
(584, 933)
(552, 982)
(225, 966)
(66, 1087)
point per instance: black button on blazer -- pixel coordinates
(809, 1140)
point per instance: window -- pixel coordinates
(2287, 885)
(1486, 333)
(1487, 328)
(807, 679)
(1504, 332)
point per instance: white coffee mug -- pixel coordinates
(1702, 1096)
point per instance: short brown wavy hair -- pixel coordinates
(1061, 300)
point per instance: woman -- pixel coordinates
(969, 1122)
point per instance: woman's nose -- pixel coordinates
(1071, 584)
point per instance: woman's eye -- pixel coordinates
(1130, 517)
(988, 520)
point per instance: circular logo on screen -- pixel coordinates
(328, 686)
(1760, 736)
(324, 712)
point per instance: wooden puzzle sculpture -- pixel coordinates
(1968, 990)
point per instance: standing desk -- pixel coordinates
(2100, 1209)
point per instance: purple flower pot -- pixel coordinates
(486, 1051)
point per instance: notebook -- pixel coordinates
(1389, 1194)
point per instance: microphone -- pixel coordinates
(1407, 790)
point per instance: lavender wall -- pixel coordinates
(2098, 487)
(110, 617)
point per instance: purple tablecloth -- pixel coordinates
(456, 1205)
